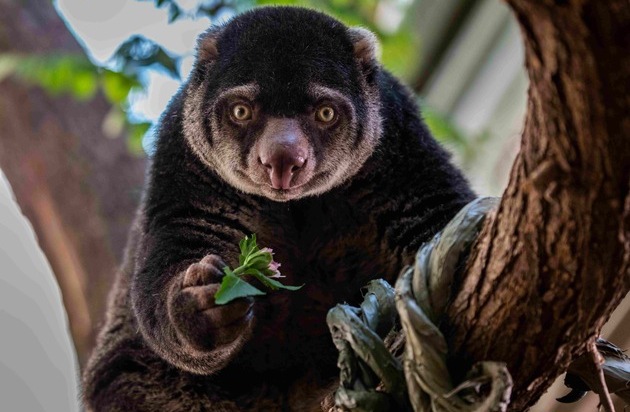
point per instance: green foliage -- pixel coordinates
(58, 74)
(139, 52)
(442, 128)
(117, 86)
(136, 132)
(400, 52)
(75, 75)
(255, 262)
(69, 74)
(233, 287)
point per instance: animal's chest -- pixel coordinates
(333, 256)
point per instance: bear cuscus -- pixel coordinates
(287, 127)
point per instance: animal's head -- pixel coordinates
(283, 102)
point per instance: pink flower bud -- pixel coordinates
(273, 266)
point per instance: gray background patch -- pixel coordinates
(38, 367)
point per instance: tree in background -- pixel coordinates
(78, 188)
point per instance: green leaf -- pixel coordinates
(279, 285)
(272, 284)
(255, 262)
(259, 260)
(262, 278)
(232, 287)
(136, 134)
(248, 247)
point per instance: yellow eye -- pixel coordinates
(241, 112)
(325, 114)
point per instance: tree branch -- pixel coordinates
(553, 262)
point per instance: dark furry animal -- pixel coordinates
(289, 128)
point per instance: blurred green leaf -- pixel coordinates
(442, 127)
(57, 74)
(139, 52)
(399, 53)
(116, 86)
(173, 12)
(84, 86)
(136, 132)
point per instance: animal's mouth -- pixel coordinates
(266, 189)
(304, 188)
(284, 194)
(287, 190)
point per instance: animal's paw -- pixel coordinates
(199, 320)
(207, 271)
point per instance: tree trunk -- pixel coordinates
(553, 262)
(78, 188)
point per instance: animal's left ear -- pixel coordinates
(366, 47)
(207, 50)
(207, 54)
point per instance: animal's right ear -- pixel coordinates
(207, 50)
(365, 47)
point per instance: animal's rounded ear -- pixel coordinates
(366, 46)
(207, 50)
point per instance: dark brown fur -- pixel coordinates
(166, 346)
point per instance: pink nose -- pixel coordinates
(282, 165)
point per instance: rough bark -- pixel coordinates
(553, 262)
(78, 188)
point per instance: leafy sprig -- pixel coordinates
(255, 262)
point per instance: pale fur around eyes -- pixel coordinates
(345, 160)
(340, 162)
(220, 158)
